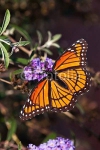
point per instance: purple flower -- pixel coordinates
(37, 68)
(56, 144)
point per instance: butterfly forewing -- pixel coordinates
(75, 56)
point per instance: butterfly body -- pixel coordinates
(59, 90)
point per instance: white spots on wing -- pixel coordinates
(69, 49)
(78, 41)
(82, 58)
(28, 100)
(23, 106)
(37, 110)
(46, 107)
(42, 109)
(82, 62)
(33, 112)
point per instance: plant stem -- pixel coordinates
(5, 81)
(4, 42)
(21, 47)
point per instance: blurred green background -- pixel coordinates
(74, 19)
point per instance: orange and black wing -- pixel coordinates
(77, 82)
(75, 56)
(71, 69)
(38, 101)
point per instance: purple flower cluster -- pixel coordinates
(56, 144)
(37, 68)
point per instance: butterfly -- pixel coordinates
(58, 92)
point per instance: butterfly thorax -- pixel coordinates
(52, 75)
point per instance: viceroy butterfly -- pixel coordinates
(69, 80)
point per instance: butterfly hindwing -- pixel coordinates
(77, 81)
(38, 101)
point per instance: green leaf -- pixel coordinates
(12, 130)
(60, 50)
(3, 37)
(47, 51)
(5, 55)
(23, 33)
(49, 36)
(21, 43)
(55, 45)
(56, 37)
(5, 21)
(22, 61)
(15, 72)
(52, 135)
(80, 108)
(39, 37)
(19, 146)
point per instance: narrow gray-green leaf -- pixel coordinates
(5, 55)
(23, 33)
(56, 37)
(49, 36)
(21, 43)
(60, 50)
(39, 37)
(22, 61)
(5, 21)
(55, 45)
(19, 146)
(47, 51)
(80, 108)
(12, 130)
(52, 135)
(15, 73)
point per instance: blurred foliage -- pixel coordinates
(32, 15)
